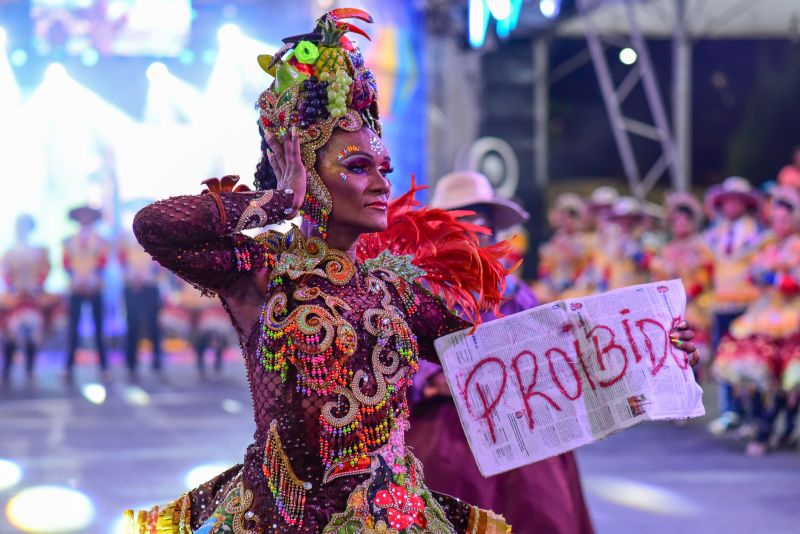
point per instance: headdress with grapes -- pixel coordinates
(321, 83)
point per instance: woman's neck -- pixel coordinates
(344, 241)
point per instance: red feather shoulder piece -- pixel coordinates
(457, 268)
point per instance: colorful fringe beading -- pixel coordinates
(288, 490)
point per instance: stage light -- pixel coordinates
(478, 21)
(628, 56)
(90, 57)
(550, 8)
(228, 32)
(209, 56)
(67, 510)
(204, 473)
(500, 9)
(18, 57)
(640, 496)
(3, 37)
(94, 393)
(136, 396)
(186, 57)
(10, 474)
(55, 71)
(156, 71)
(232, 406)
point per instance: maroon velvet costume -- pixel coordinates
(192, 237)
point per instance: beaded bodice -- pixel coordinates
(330, 358)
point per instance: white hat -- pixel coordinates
(461, 189)
(605, 195)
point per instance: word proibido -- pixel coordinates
(645, 340)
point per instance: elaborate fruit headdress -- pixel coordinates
(321, 83)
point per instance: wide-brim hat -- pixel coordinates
(462, 189)
(85, 214)
(603, 196)
(627, 208)
(569, 202)
(736, 186)
(684, 201)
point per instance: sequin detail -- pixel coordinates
(308, 333)
(288, 490)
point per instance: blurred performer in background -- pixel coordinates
(200, 320)
(686, 256)
(85, 258)
(543, 497)
(142, 304)
(25, 305)
(733, 240)
(620, 258)
(567, 254)
(790, 174)
(601, 201)
(762, 340)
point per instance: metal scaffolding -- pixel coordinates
(614, 96)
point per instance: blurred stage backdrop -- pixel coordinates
(117, 102)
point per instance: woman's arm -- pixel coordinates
(198, 237)
(431, 320)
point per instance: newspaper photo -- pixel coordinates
(547, 380)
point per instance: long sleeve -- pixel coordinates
(433, 320)
(198, 237)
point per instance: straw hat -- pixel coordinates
(736, 186)
(569, 202)
(684, 201)
(604, 195)
(627, 207)
(85, 215)
(461, 189)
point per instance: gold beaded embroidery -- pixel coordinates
(255, 209)
(361, 406)
(288, 490)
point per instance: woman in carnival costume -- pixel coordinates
(620, 258)
(567, 254)
(734, 237)
(761, 352)
(332, 318)
(686, 256)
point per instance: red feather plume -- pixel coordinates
(458, 269)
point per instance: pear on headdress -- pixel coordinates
(265, 61)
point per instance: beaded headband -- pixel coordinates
(321, 83)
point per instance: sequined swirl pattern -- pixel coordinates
(309, 334)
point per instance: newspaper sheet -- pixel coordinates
(550, 379)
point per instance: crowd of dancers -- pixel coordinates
(738, 254)
(737, 251)
(157, 305)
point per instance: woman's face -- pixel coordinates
(681, 224)
(355, 167)
(784, 218)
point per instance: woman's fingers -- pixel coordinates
(694, 358)
(683, 335)
(275, 155)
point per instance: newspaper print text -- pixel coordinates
(646, 342)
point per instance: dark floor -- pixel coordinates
(138, 446)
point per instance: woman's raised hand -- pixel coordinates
(287, 163)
